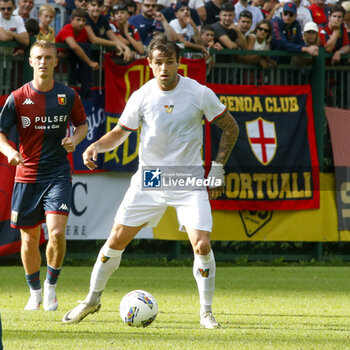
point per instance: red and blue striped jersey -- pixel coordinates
(42, 119)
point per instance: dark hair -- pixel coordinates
(99, 2)
(131, 3)
(227, 7)
(268, 23)
(13, 2)
(161, 43)
(245, 13)
(32, 26)
(337, 8)
(79, 12)
(206, 27)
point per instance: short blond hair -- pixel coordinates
(48, 8)
(44, 44)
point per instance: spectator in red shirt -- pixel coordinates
(320, 12)
(74, 33)
(75, 36)
(334, 36)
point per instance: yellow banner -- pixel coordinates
(318, 225)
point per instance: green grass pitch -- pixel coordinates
(258, 307)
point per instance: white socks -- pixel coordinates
(107, 262)
(204, 273)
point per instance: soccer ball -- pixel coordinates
(138, 308)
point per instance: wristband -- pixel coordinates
(216, 175)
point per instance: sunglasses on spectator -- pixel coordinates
(6, 8)
(264, 29)
(150, 5)
(290, 14)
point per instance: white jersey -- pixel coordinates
(172, 131)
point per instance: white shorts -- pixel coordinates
(192, 207)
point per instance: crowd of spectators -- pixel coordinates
(127, 26)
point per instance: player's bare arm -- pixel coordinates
(70, 143)
(13, 156)
(228, 139)
(108, 142)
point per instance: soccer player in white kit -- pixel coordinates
(169, 108)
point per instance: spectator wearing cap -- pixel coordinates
(303, 14)
(242, 5)
(169, 12)
(286, 34)
(186, 29)
(127, 33)
(311, 37)
(334, 36)
(150, 21)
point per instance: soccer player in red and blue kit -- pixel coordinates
(41, 110)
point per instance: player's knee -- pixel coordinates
(56, 235)
(29, 242)
(202, 247)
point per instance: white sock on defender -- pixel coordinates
(107, 262)
(204, 268)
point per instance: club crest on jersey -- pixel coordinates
(14, 216)
(204, 273)
(62, 99)
(169, 109)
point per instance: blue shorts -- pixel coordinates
(31, 202)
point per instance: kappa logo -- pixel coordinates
(63, 206)
(28, 101)
(25, 121)
(169, 109)
(262, 138)
(254, 220)
(104, 258)
(204, 273)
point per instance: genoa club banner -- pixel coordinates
(339, 125)
(121, 82)
(274, 164)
